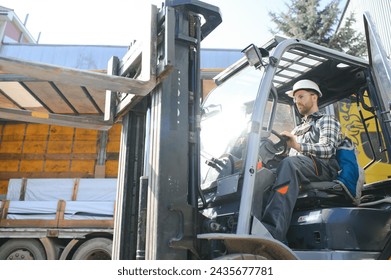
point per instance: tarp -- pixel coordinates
(89, 189)
(94, 199)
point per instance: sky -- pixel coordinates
(117, 22)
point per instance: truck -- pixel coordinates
(57, 219)
(193, 175)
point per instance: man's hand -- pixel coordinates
(291, 142)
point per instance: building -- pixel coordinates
(380, 11)
(12, 30)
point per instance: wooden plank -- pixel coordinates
(75, 188)
(83, 147)
(89, 79)
(6, 102)
(56, 166)
(100, 171)
(27, 223)
(58, 222)
(4, 209)
(60, 211)
(3, 187)
(37, 132)
(21, 96)
(45, 92)
(15, 132)
(79, 98)
(59, 147)
(34, 147)
(111, 168)
(54, 156)
(86, 166)
(113, 144)
(97, 95)
(63, 223)
(85, 134)
(31, 166)
(47, 118)
(86, 223)
(4, 222)
(60, 133)
(5, 175)
(8, 167)
(11, 147)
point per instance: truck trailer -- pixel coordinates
(58, 219)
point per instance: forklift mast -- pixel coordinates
(159, 156)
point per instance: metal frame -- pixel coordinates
(299, 49)
(381, 73)
(166, 211)
(170, 218)
(127, 82)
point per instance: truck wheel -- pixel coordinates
(94, 249)
(22, 249)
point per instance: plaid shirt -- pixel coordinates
(318, 135)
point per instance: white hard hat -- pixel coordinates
(304, 84)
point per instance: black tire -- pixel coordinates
(241, 257)
(386, 253)
(94, 249)
(22, 249)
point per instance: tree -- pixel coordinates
(305, 20)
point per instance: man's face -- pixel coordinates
(305, 101)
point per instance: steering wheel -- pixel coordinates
(282, 145)
(269, 152)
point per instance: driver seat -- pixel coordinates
(323, 194)
(346, 189)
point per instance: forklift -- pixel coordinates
(196, 188)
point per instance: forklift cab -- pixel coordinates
(238, 100)
(241, 147)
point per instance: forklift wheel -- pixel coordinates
(241, 257)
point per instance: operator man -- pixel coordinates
(313, 146)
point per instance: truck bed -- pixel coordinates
(59, 203)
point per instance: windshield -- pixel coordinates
(226, 115)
